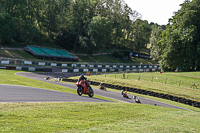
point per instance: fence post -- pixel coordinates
(194, 86)
(166, 81)
(124, 76)
(115, 75)
(139, 78)
(180, 83)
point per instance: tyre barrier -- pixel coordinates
(145, 92)
(10, 67)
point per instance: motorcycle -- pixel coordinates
(82, 88)
(124, 94)
(58, 79)
(137, 99)
(47, 78)
(102, 87)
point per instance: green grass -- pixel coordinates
(18, 54)
(95, 117)
(110, 59)
(9, 77)
(22, 54)
(89, 117)
(158, 83)
(98, 59)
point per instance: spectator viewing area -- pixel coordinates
(51, 54)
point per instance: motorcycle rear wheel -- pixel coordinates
(91, 92)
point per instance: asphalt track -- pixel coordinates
(9, 93)
(28, 94)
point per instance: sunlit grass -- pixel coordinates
(95, 117)
(9, 77)
(89, 117)
(167, 83)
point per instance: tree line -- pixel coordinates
(95, 25)
(92, 25)
(178, 46)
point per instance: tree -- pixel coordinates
(83, 11)
(7, 28)
(142, 32)
(154, 39)
(181, 39)
(99, 31)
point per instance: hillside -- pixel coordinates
(22, 54)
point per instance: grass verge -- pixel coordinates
(157, 85)
(89, 117)
(9, 77)
(95, 117)
(144, 83)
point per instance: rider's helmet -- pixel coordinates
(82, 76)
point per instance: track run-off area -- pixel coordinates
(14, 93)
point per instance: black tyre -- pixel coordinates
(91, 92)
(79, 91)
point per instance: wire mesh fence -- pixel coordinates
(177, 81)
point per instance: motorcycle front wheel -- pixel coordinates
(79, 91)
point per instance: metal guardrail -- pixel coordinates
(23, 64)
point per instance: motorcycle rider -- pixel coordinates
(102, 86)
(124, 93)
(137, 99)
(82, 77)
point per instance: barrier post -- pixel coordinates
(166, 81)
(124, 76)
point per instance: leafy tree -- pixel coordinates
(83, 11)
(181, 39)
(7, 28)
(142, 32)
(154, 39)
(71, 24)
(99, 31)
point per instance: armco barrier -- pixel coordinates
(81, 67)
(144, 92)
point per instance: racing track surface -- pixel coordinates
(9, 93)
(51, 96)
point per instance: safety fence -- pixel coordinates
(181, 82)
(145, 92)
(178, 82)
(28, 65)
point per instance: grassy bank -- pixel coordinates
(22, 54)
(95, 117)
(9, 77)
(17, 54)
(89, 117)
(167, 83)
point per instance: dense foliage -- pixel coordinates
(96, 25)
(178, 47)
(72, 24)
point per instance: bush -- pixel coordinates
(117, 55)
